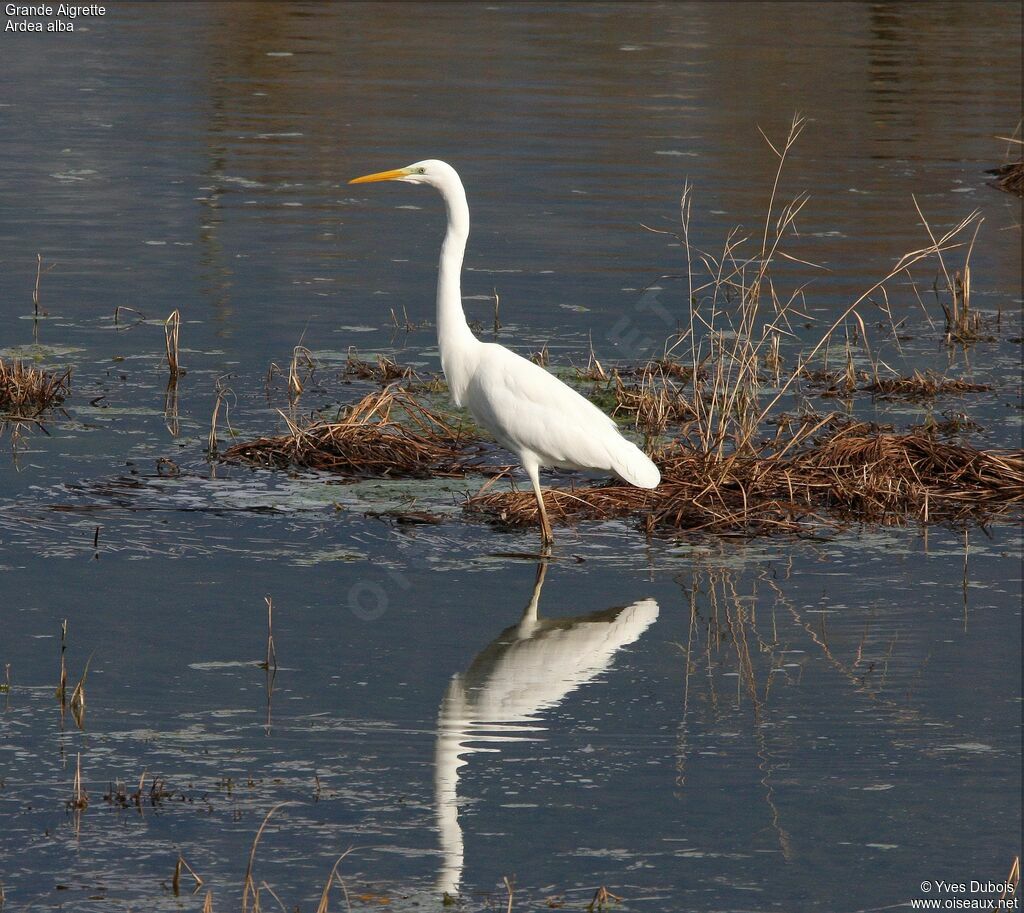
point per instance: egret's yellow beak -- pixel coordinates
(381, 176)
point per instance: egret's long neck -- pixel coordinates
(455, 340)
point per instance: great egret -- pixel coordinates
(529, 411)
(527, 669)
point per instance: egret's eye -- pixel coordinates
(421, 170)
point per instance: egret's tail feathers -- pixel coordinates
(629, 462)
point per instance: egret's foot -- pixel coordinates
(547, 537)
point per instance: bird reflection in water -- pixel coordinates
(529, 667)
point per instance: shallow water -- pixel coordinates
(710, 724)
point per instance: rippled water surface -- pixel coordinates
(704, 724)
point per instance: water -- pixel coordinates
(709, 724)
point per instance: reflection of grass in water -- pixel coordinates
(740, 628)
(729, 620)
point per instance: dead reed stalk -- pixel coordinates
(180, 866)
(62, 681)
(602, 897)
(738, 314)
(221, 394)
(172, 332)
(963, 325)
(249, 889)
(322, 906)
(300, 354)
(1012, 880)
(655, 401)
(35, 289)
(79, 800)
(77, 703)
(270, 664)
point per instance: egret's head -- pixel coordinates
(429, 171)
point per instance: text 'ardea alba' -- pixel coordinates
(529, 411)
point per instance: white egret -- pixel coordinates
(527, 410)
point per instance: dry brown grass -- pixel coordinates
(921, 385)
(1009, 177)
(27, 391)
(383, 371)
(655, 401)
(851, 473)
(667, 367)
(385, 434)
(740, 311)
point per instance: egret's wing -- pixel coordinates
(529, 410)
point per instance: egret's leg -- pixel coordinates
(546, 536)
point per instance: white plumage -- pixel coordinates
(529, 411)
(534, 414)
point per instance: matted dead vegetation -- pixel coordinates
(853, 472)
(921, 385)
(382, 371)
(26, 391)
(385, 434)
(1009, 176)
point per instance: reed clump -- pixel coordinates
(1009, 177)
(849, 472)
(26, 391)
(655, 400)
(385, 434)
(383, 371)
(921, 385)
